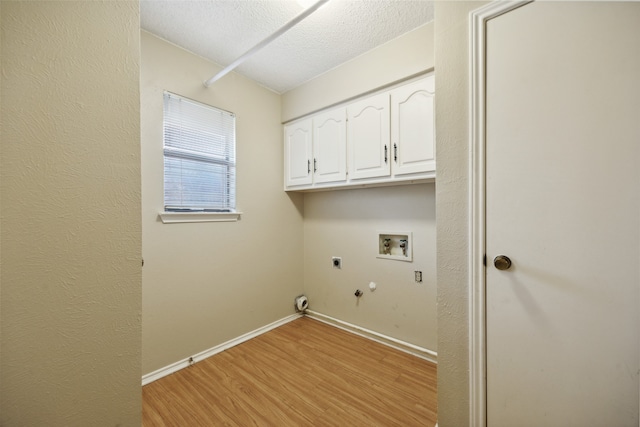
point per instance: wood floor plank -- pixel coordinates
(301, 373)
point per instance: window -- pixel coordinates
(199, 157)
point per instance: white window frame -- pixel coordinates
(175, 209)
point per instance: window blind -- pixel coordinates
(199, 156)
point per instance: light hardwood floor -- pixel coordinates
(304, 373)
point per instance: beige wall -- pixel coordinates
(344, 223)
(452, 118)
(404, 56)
(71, 242)
(207, 283)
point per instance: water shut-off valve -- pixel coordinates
(358, 293)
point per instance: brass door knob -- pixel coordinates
(502, 262)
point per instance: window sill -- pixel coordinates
(175, 217)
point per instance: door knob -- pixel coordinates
(502, 262)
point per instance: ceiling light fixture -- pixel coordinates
(286, 27)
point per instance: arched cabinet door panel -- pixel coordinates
(298, 154)
(330, 146)
(368, 137)
(413, 127)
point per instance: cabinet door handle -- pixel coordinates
(385, 154)
(308, 167)
(315, 165)
(395, 153)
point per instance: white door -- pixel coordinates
(330, 146)
(563, 203)
(297, 154)
(368, 137)
(413, 127)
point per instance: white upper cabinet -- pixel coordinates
(413, 127)
(330, 146)
(298, 154)
(368, 137)
(386, 138)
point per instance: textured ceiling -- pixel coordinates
(222, 30)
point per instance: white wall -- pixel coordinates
(207, 283)
(344, 223)
(409, 54)
(70, 220)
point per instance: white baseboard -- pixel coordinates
(174, 367)
(415, 350)
(406, 347)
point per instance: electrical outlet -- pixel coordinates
(418, 276)
(336, 261)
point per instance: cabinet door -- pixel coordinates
(368, 137)
(412, 127)
(297, 154)
(330, 146)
